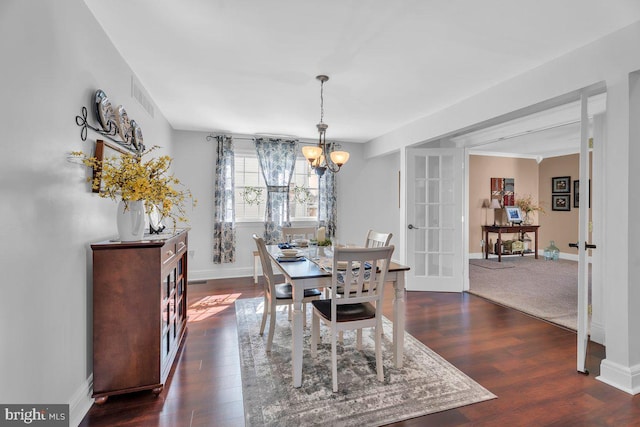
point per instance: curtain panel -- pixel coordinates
(277, 160)
(224, 228)
(327, 202)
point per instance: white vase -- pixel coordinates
(130, 219)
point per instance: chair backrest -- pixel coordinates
(362, 273)
(376, 239)
(291, 233)
(267, 268)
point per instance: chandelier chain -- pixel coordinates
(321, 100)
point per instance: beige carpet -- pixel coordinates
(426, 383)
(544, 289)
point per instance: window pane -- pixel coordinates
(303, 190)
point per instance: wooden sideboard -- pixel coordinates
(139, 313)
(499, 229)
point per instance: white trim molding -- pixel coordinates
(621, 377)
(81, 402)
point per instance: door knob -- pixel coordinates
(586, 245)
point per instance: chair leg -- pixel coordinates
(379, 367)
(359, 339)
(265, 312)
(334, 361)
(272, 326)
(315, 334)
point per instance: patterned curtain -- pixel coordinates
(224, 227)
(327, 203)
(277, 160)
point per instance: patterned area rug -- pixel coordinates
(426, 384)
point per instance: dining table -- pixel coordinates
(305, 272)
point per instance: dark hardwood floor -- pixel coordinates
(529, 364)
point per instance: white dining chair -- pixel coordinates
(289, 234)
(359, 306)
(376, 239)
(276, 294)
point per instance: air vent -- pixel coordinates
(139, 94)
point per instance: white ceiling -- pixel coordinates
(249, 66)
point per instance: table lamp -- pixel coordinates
(485, 205)
(495, 204)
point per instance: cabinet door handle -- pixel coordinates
(169, 253)
(181, 246)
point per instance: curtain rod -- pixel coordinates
(213, 136)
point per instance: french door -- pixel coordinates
(434, 217)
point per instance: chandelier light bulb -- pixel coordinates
(339, 157)
(311, 152)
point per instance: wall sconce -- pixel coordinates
(495, 204)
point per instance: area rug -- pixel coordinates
(426, 384)
(491, 264)
(544, 289)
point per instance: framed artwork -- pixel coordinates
(104, 150)
(503, 189)
(514, 214)
(561, 202)
(576, 193)
(561, 184)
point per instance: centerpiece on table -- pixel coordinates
(138, 185)
(528, 205)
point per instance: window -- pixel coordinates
(251, 191)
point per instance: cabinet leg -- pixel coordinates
(101, 400)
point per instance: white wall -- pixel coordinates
(368, 196)
(54, 56)
(194, 162)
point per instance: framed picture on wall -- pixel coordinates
(561, 184)
(561, 202)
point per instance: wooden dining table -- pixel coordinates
(305, 274)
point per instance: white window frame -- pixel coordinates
(312, 178)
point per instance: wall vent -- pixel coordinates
(139, 94)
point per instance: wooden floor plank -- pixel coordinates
(528, 363)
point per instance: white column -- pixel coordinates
(597, 331)
(621, 200)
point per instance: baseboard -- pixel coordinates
(570, 257)
(81, 402)
(621, 377)
(227, 273)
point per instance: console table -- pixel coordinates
(499, 229)
(139, 312)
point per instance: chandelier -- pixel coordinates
(319, 156)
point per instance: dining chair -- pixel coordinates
(376, 239)
(276, 294)
(290, 233)
(362, 272)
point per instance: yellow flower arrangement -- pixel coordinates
(129, 178)
(527, 204)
